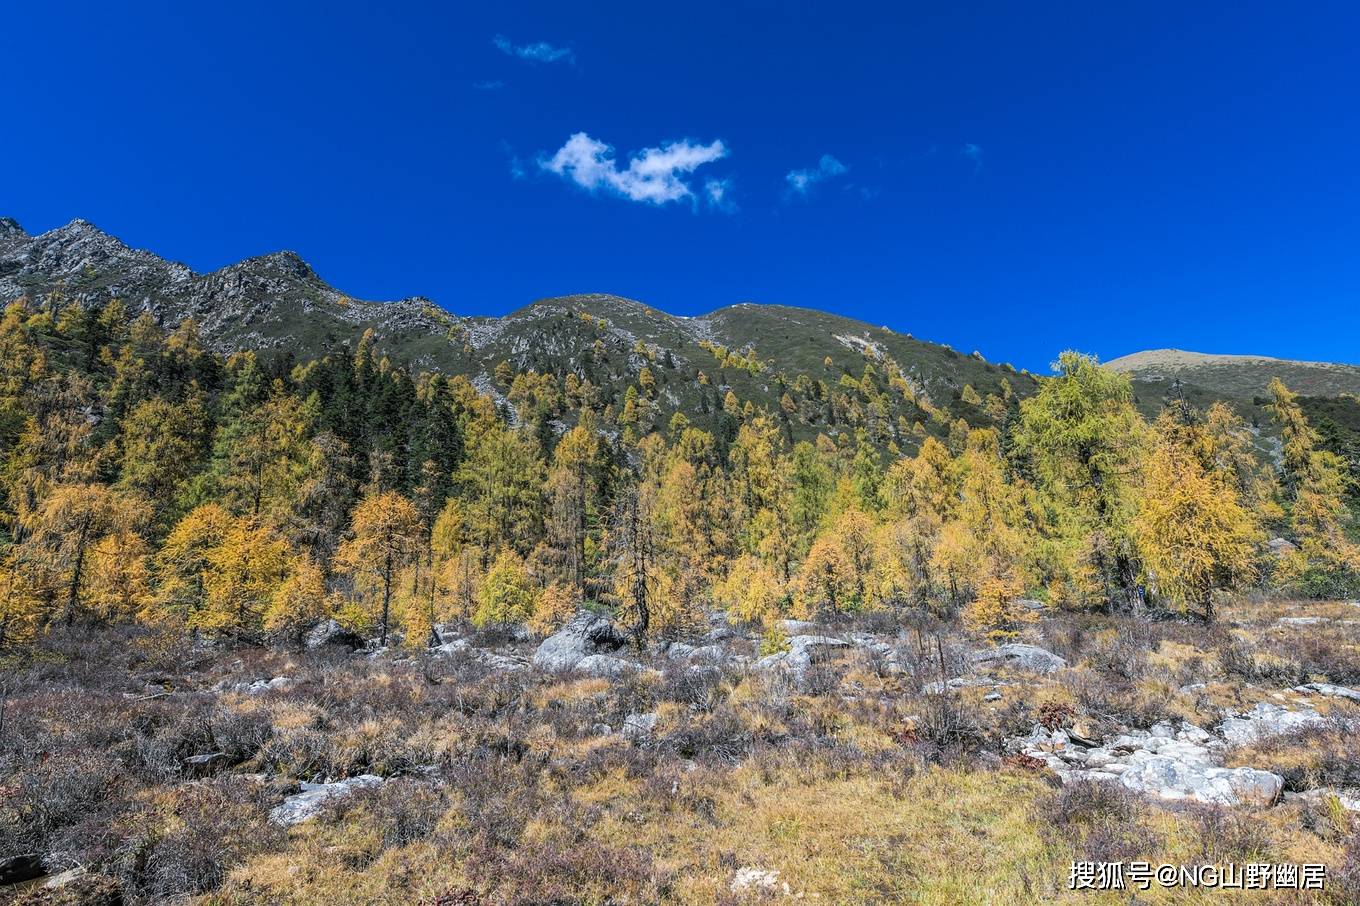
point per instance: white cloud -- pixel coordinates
(801, 181)
(719, 194)
(489, 85)
(973, 153)
(538, 52)
(653, 175)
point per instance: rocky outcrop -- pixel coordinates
(502, 662)
(1018, 656)
(328, 633)
(307, 804)
(1329, 690)
(804, 651)
(606, 666)
(639, 726)
(1165, 761)
(260, 687)
(1266, 720)
(584, 635)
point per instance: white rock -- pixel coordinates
(1266, 720)
(1020, 656)
(637, 726)
(1329, 690)
(585, 634)
(748, 879)
(603, 665)
(260, 687)
(307, 804)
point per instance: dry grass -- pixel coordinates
(504, 790)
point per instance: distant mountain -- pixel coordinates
(1237, 376)
(807, 364)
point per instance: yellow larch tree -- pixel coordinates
(386, 537)
(1194, 534)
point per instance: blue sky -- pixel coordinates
(1012, 178)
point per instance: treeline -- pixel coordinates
(145, 478)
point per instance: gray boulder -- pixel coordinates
(606, 666)
(1020, 657)
(307, 804)
(260, 687)
(584, 635)
(1281, 546)
(639, 726)
(804, 651)
(329, 632)
(679, 651)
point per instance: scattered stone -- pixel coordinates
(207, 763)
(1329, 690)
(1031, 604)
(1163, 761)
(260, 687)
(329, 632)
(307, 804)
(1281, 546)
(797, 627)
(1300, 621)
(755, 879)
(992, 697)
(1020, 656)
(584, 635)
(638, 726)
(1266, 720)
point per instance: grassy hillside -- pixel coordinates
(1238, 376)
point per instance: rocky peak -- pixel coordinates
(10, 229)
(285, 263)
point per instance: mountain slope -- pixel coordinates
(1237, 376)
(810, 363)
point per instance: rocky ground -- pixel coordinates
(874, 759)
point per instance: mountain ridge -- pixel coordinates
(1237, 376)
(806, 361)
(824, 372)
